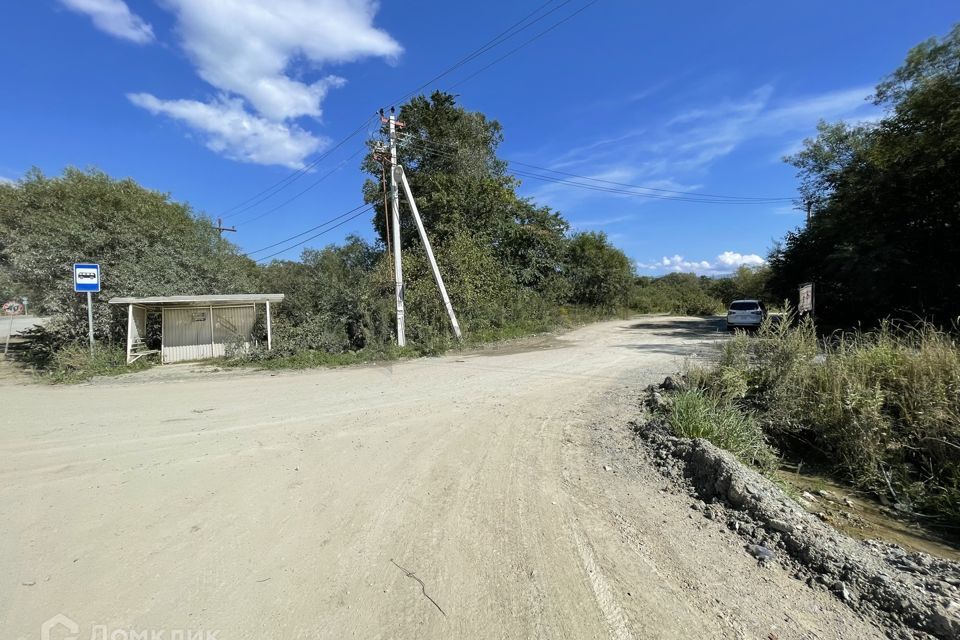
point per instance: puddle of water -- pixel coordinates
(861, 517)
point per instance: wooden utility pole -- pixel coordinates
(220, 228)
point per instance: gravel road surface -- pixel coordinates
(491, 495)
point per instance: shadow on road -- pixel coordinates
(680, 327)
(679, 337)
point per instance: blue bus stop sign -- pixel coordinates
(86, 277)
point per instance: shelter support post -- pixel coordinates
(129, 331)
(269, 331)
(6, 347)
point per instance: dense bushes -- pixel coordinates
(145, 243)
(78, 363)
(882, 407)
(675, 293)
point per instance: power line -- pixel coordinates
(456, 149)
(681, 196)
(293, 177)
(524, 44)
(302, 233)
(500, 38)
(312, 185)
(452, 149)
(739, 199)
(503, 36)
(317, 235)
(651, 196)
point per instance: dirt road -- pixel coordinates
(275, 506)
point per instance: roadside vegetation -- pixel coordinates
(691, 295)
(76, 363)
(872, 390)
(880, 408)
(700, 412)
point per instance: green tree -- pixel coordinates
(449, 155)
(885, 235)
(338, 298)
(145, 243)
(599, 274)
(675, 293)
(745, 283)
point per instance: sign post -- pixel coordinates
(11, 309)
(86, 278)
(806, 299)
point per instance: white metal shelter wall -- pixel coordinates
(233, 326)
(187, 334)
(195, 333)
(138, 330)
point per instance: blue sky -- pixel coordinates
(215, 101)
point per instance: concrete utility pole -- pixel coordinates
(429, 250)
(395, 223)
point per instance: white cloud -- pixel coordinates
(561, 195)
(114, 17)
(266, 61)
(724, 263)
(594, 223)
(677, 152)
(733, 260)
(696, 138)
(228, 129)
(250, 47)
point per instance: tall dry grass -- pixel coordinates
(883, 407)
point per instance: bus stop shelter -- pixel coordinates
(195, 327)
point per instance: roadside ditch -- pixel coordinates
(915, 594)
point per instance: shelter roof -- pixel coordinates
(203, 301)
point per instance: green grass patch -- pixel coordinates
(76, 363)
(694, 413)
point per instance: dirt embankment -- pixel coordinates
(917, 595)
